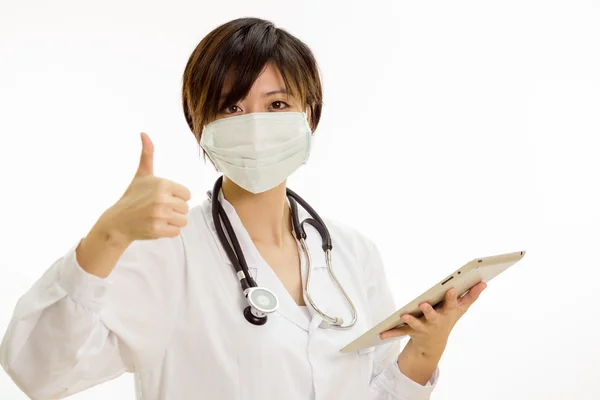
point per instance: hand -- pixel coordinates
(151, 207)
(429, 334)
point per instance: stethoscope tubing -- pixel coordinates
(236, 256)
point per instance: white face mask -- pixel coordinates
(258, 151)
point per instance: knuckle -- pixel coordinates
(157, 212)
(160, 198)
(182, 207)
(155, 227)
(164, 198)
(163, 185)
(143, 180)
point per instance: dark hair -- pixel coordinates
(240, 49)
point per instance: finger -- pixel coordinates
(181, 191)
(146, 166)
(413, 322)
(170, 231)
(177, 219)
(430, 314)
(467, 300)
(397, 332)
(451, 300)
(179, 206)
(162, 228)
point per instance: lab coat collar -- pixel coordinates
(262, 272)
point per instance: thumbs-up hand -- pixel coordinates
(151, 207)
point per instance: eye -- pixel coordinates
(230, 109)
(279, 105)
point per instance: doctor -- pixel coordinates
(154, 290)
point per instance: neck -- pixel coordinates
(266, 216)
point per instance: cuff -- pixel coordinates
(84, 288)
(409, 389)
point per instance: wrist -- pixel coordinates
(107, 231)
(99, 252)
(418, 364)
(416, 350)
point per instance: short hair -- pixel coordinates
(240, 49)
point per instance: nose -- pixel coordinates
(255, 107)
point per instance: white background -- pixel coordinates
(451, 130)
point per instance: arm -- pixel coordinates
(416, 365)
(73, 329)
(418, 377)
(428, 336)
(107, 306)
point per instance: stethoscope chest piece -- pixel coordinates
(262, 302)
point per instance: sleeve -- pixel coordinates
(388, 382)
(73, 330)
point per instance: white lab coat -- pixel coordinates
(171, 313)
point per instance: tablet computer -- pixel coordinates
(477, 270)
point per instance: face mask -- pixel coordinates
(258, 151)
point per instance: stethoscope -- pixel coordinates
(262, 301)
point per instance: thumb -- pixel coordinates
(146, 166)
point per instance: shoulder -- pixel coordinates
(360, 251)
(348, 239)
(198, 221)
(197, 215)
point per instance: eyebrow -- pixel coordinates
(265, 94)
(279, 91)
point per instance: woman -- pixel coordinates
(151, 289)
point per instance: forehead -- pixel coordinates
(269, 79)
